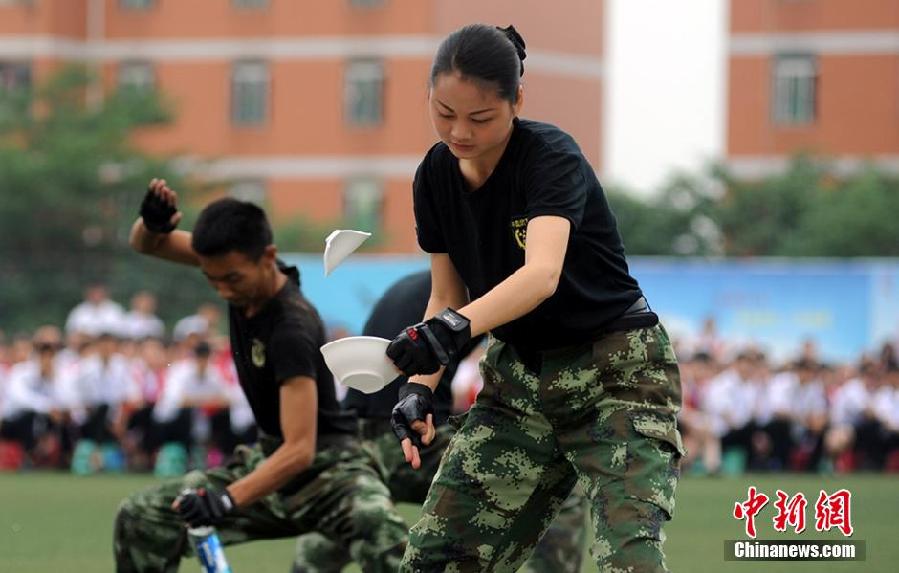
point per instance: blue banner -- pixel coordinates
(845, 307)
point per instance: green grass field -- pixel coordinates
(52, 522)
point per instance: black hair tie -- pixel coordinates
(517, 41)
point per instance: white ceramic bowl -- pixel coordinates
(359, 362)
(339, 245)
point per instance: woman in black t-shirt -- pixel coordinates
(581, 383)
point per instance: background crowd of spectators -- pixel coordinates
(114, 390)
(745, 411)
(111, 392)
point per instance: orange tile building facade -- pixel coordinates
(814, 75)
(313, 107)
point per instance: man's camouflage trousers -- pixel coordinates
(560, 550)
(341, 495)
(601, 414)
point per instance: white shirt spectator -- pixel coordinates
(885, 404)
(149, 382)
(193, 324)
(809, 399)
(107, 382)
(776, 400)
(4, 374)
(730, 401)
(186, 384)
(27, 390)
(68, 358)
(849, 403)
(746, 402)
(95, 318)
(138, 325)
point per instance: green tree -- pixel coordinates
(758, 217)
(70, 186)
(810, 210)
(853, 220)
(673, 222)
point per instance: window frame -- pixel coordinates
(795, 89)
(360, 76)
(256, 72)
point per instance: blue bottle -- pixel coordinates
(209, 549)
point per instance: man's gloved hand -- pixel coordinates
(204, 506)
(416, 403)
(158, 208)
(426, 346)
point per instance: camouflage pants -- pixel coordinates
(600, 414)
(344, 498)
(560, 550)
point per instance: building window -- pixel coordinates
(363, 200)
(14, 77)
(250, 3)
(136, 4)
(137, 76)
(250, 87)
(252, 191)
(795, 87)
(364, 92)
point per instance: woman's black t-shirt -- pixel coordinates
(484, 231)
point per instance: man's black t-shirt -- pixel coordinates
(541, 172)
(403, 304)
(278, 343)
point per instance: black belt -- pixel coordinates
(637, 315)
(374, 428)
(639, 305)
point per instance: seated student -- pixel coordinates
(141, 321)
(95, 312)
(148, 369)
(883, 433)
(4, 366)
(809, 414)
(35, 409)
(847, 415)
(700, 441)
(108, 395)
(730, 405)
(193, 408)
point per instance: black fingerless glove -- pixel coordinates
(426, 346)
(415, 402)
(204, 506)
(156, 213)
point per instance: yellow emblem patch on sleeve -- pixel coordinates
(257, 353)
(520, 231)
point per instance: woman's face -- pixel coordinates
(470, 117)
